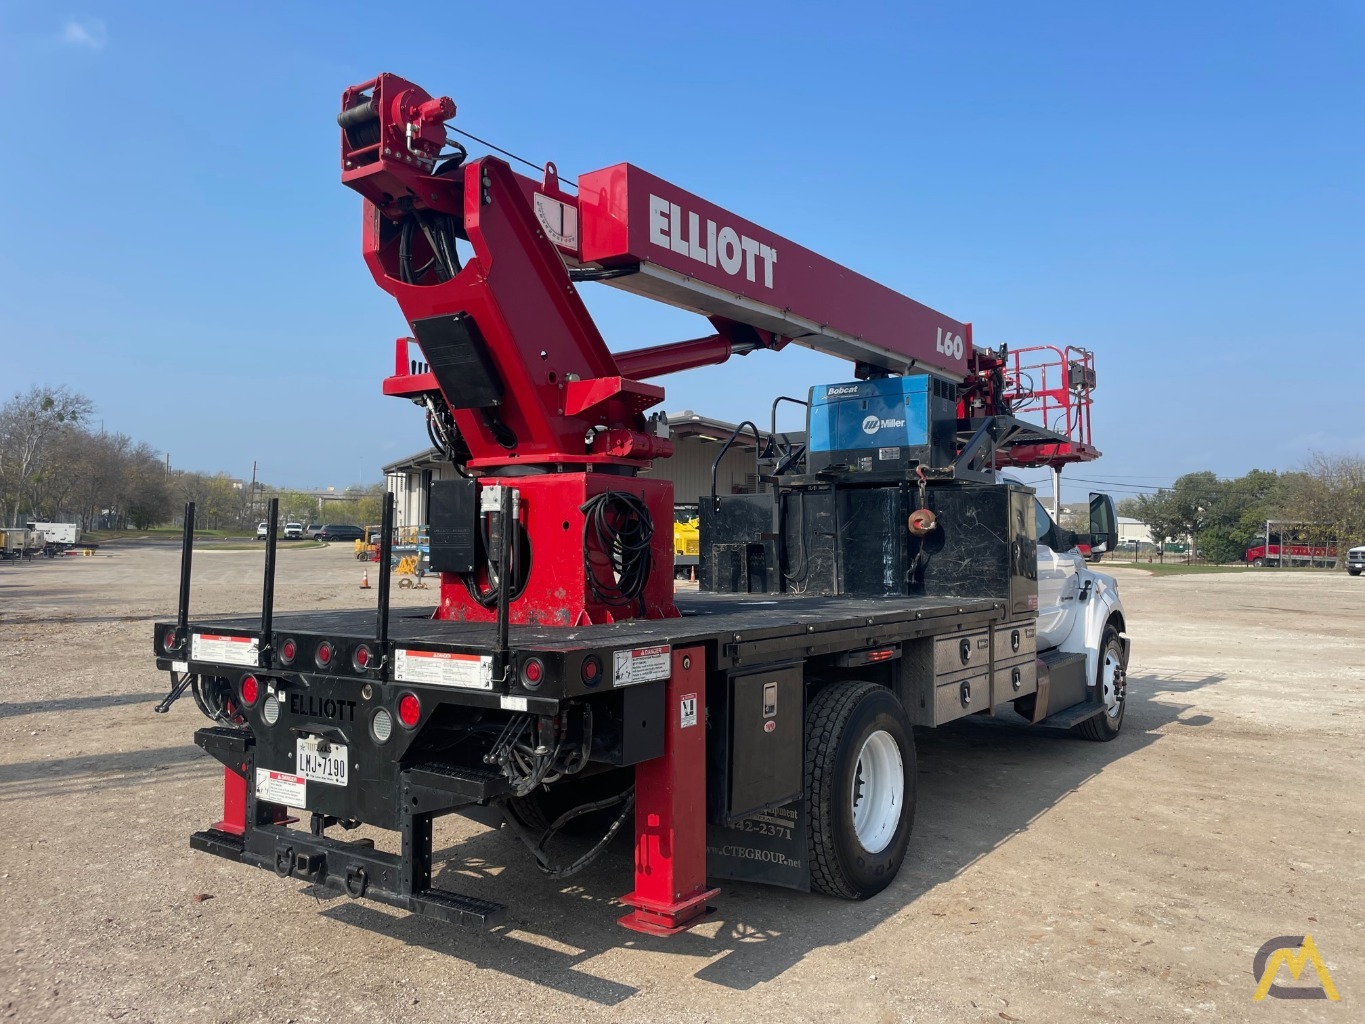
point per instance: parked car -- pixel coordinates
(340, 531)
(293, 531)
(261, 530)
(1355, 560)
(312, 530)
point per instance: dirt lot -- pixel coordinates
(1049, 879)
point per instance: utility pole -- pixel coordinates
(251, 514)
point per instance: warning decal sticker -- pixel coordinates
(226, 650)
(642, 665)
(441, 668)
(281, 788)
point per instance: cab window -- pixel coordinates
(1047, 529)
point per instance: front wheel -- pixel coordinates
(1111, 689)
(860, 788)
(1259, 563)
(1353, 572)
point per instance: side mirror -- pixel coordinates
(1104, 524)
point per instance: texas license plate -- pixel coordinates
(316, 766)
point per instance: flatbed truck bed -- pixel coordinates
(743, 629)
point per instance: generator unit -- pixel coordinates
(886, 424)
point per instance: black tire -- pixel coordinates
(1259, 563)
(1352, 572)
(839, 721)
(1104, 726)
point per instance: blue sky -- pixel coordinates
(1180, 187)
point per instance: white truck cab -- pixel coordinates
(1355, 560)
(1079, 610)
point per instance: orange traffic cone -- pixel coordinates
(365, 580)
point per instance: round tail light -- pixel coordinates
(591, 671)
(324, 655)
(288, 651)
(251, 691)
(170, 641)
(270, 710)
(532, 673)
(382, 725)
(409, 709)
(361, 659)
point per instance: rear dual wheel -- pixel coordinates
(860, 788)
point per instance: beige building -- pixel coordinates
(697, 440)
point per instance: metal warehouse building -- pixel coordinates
(697, 441)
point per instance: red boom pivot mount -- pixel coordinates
(516, 377)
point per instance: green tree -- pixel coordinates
(1161, 513)
(1222, 545)
(1194, 498)
(31, 424)
(297, 507)
(369, 504)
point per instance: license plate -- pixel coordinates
(315, 766)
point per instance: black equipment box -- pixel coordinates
(845, 536)
(754, 743)
(453, 514)
(985, 545)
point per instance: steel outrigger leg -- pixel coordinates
(670, 811)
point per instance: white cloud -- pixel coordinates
(87, 32)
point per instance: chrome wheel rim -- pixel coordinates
(1113, 683)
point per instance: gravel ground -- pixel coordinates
(1049, 879)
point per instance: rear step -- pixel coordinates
(220, 844)
(472, 784)
(1072, 716)
(454, 908)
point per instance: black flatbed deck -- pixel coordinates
(745, 626)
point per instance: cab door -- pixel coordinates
(1058, 581)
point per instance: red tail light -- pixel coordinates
(532, 673)
(288, 651)
(409, 709)
(591, 670)
(361, 658)
(324, 655)
(251, 690)
(170, 641)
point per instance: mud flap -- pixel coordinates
(769, 847)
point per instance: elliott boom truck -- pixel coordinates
(760, 728)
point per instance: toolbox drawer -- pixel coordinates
(958, 651)
(962, 696)
(1012, 640)
(1015, 678)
